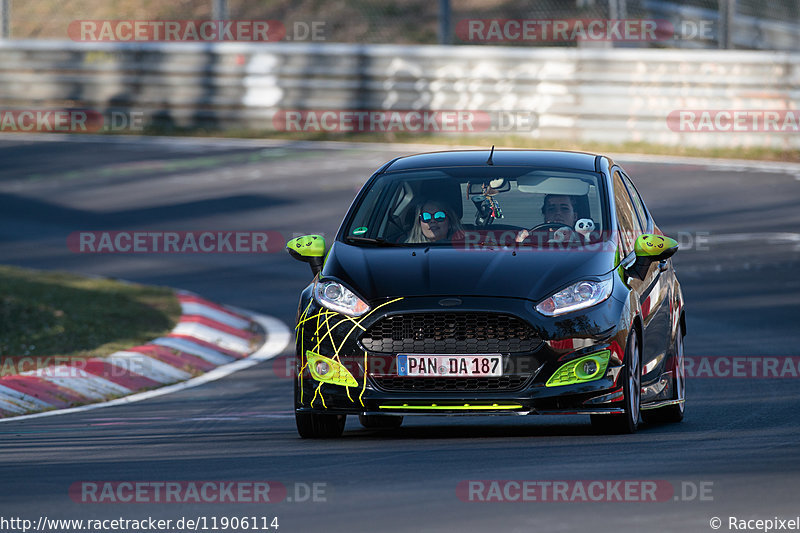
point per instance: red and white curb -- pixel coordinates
(209, 342)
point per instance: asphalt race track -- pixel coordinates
(737, 453)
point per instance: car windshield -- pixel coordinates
(481, 206)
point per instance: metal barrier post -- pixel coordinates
(5, 19)
(727, 13)
(445, 36)
(219, 10)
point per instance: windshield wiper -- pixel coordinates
(369, 240)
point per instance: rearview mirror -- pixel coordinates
(308, 249)
(492, 187)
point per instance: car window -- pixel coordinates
(370, 201)
(638, 204)
(476, 200)
(629, 225)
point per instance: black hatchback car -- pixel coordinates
(508, 282)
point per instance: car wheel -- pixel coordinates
(316, 425)
(672, 413)
(319, 426)
(627, 422)
(380, 421)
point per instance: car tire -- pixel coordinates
(380, 421)
(319, 426)
(316, 425)
(627, 422)
(670, 414)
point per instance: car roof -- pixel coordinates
(456, 158)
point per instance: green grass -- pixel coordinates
(59, 314)
(504, 141)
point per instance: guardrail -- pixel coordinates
(612, 95)
(748, 32)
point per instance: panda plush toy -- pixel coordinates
(585, 227)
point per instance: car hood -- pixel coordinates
(375, 272)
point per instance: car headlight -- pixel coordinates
(577, 296)
(336, 297)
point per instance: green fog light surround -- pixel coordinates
(335, 372)
(583, 369)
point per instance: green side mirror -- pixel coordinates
(308, 249)
(654, 247)
(650, 248)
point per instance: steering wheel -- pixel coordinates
(547, 226)
(550, 225)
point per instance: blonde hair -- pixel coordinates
(417, 237)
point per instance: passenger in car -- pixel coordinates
(435, 221)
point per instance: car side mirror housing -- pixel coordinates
(648, 249)
(654, 247)
(308, 249)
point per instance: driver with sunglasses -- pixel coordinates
(435, 221)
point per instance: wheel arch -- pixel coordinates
(683, 322)
(636, 327)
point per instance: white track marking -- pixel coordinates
(8, 405)
(767, 237)
(214, 336)
(210, 355)
(80, 381)
(21, 399)
(194, 308)
(278, 338)
(149, 367)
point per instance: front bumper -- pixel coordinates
(561, 340)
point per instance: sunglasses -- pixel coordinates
(427, 217)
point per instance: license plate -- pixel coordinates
(449, 365)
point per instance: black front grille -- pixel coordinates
(406, 384)
(450, 333)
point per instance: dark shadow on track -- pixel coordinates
(20, 208)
